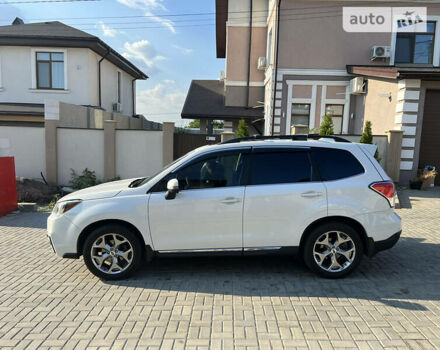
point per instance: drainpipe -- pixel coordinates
(249, 54)
(133, 95)
(99, 77)
(276, 66)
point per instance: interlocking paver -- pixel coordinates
(391, 302)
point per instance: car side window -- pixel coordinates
(212, 171)
(279, 167)
(335, 164)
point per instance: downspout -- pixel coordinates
(249, 54)
(99, 77)
(276, 66)
(133, 95)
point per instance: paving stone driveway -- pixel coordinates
(260, 302)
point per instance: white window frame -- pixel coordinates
(34, 51)
(436, 49)
(324, 100)
(269, 47)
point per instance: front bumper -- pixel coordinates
(375, 247)
(63, 235)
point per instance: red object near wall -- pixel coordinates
(8, 186)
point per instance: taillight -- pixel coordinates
(386, 189)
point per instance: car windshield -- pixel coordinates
(146, 179)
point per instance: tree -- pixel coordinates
(367, 137)
(243, 130)
(326, 127)
(194, 124)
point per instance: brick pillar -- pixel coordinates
(394, 151)
(227, 135)
(167, 142)
(299, 130)
(110, 149)
(51, 144)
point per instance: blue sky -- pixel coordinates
(177, 50)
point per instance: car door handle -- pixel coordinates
(310, 194)
(230, 200)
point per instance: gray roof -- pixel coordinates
(57, 34)
(206, 99)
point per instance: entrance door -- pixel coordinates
(430, 141)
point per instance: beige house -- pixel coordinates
(53, 61)
(297, 64)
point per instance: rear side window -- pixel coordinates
(335, 164)
(278, 167)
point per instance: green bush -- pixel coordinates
(243, 130)
(326, 128)
(367, 137)
(86, 179)
(54, 200)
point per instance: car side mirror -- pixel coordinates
(173, 189)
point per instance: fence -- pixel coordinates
(78, 137)
(183, 143)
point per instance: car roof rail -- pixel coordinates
(303, 137)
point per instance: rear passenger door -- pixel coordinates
(283, 196)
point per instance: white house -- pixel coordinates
(51, 60)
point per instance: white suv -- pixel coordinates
(329, 201)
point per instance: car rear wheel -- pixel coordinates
(333, 250)
(112, 252)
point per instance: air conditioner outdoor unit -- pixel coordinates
(357, 86)
(261, 63)
(116, 107)
(380, 52)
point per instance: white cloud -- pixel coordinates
(148, 6)
(183, 50)
(106, 30)
(142, 51)
(163, 102)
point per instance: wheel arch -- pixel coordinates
(83, 235)
(356, 225)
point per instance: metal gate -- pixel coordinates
(183, 143)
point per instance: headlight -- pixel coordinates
(61, 207)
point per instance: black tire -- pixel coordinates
(317, 233)
(121, 232)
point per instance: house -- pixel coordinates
(300, 64)
(53, 61)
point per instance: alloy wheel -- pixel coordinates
(334, 251)
(111, 253)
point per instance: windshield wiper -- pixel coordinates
(137, 182)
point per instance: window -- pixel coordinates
(337, 112)
(224, 169)
(119, 86)
(415, 47)
(335, 164)
(280, 166)
(300, 114)
(50, 70)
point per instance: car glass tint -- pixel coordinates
(280, 167)
(334, 164)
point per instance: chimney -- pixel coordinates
(17, 21)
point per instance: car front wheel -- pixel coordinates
(112, 252)
(333, 250)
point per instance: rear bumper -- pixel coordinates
(375, 247)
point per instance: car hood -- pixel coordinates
(105, 190)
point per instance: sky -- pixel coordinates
(172, 41)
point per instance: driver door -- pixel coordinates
(207, 212)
